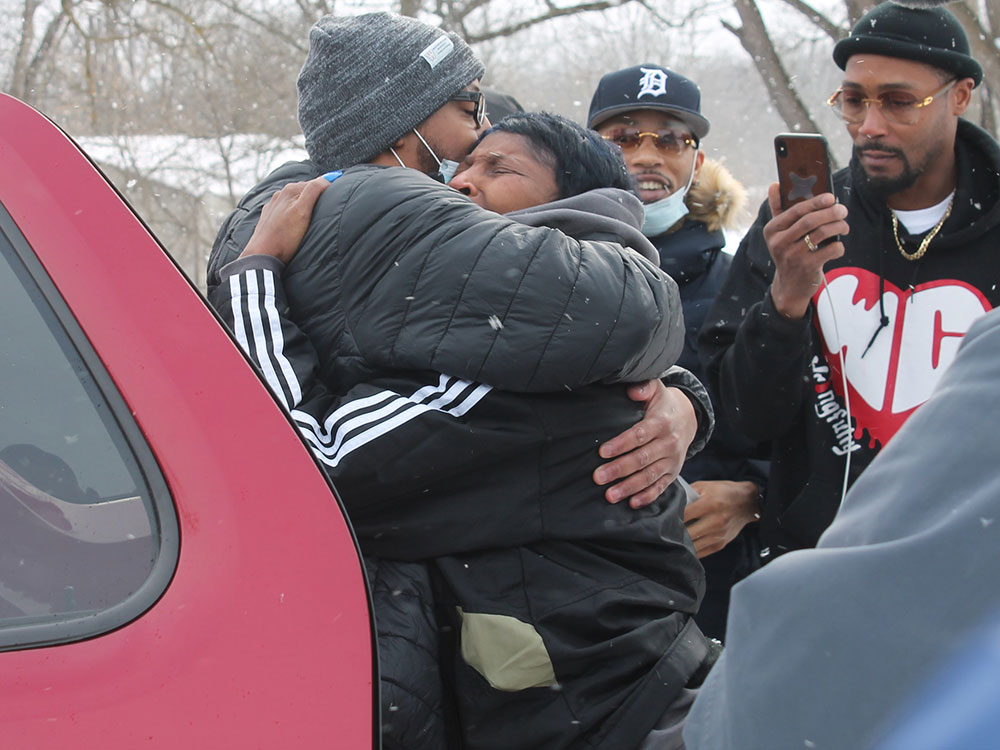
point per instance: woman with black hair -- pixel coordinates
(532, 158)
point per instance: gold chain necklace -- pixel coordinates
(926, 241)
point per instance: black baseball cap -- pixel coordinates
(928, 35)
(648, 86)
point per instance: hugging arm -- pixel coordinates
(647, 457)
(528, 309)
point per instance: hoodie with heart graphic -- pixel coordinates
(896, 323)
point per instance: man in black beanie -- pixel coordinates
(823, 646)
(871, 293)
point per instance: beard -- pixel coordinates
(426, 162)
(885, 186)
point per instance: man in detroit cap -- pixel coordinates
(654, 115)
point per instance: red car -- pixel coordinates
(175, 570)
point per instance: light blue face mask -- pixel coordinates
(446, 167)
(664, 213)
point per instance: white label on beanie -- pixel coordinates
(438, 51)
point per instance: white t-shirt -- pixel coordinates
(919, 221)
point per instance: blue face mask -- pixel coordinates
(664, 213)
(447, 170)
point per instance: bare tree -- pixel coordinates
(984, 32)
(980, 20)
(477, 20)
(33, 55)
(754, 37)
(219, 71)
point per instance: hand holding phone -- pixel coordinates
(795, 235)
(803, 167)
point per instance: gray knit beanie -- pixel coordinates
(370, 79)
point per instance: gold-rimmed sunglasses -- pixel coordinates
(899, 106)
(671, 141)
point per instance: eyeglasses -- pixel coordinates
(477, 98)
(671, 141)
(900, 107)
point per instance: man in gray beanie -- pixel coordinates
(823, 645)
(369, 81)
(467, 309)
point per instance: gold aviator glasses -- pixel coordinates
(900, 107)
(671, 141)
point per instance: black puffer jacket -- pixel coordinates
(493, 485)
(414, 709)
(513, 306)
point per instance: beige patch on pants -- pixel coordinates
(508, 653)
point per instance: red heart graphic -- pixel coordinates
(897, 372)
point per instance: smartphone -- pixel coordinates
(803, 167)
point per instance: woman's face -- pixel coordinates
(503, 173)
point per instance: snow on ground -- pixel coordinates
(226, 166)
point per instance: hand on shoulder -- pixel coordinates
(285, 219)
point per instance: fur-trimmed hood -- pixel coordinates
(716, 198)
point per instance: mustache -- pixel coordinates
(877, 145)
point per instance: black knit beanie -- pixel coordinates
(928, 35)
(370, 79)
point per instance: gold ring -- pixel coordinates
(809, 243)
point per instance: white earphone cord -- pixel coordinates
(847, 396)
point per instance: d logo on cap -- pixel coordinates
(653, 82)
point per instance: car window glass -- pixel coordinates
(78, 527)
